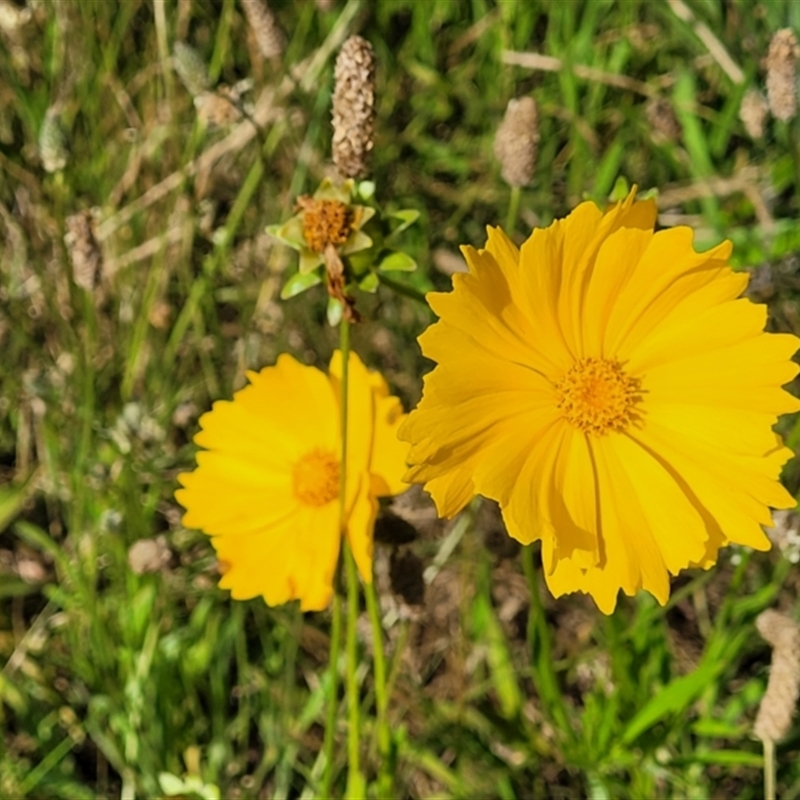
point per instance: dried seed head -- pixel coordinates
(191, 68)
(149, 555)
(517, 140)
(777, 707)
(753, 113)
(84, 252)
(13, 17)
(662, 119)
(269, 37)
(781, 65)
(353, 107)
(52, 141)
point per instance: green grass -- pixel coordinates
(120, 684)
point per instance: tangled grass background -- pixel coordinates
(161, 139)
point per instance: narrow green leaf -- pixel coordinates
(671, 700)
(12, 499)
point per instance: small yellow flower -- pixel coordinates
(607, 388)
(266, 488)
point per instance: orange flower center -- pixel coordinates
(596, 396)
(316, 478)
(325, 222)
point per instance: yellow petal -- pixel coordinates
(294, 560)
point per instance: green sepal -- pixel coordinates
(298, 283)
(357, 241)
(397, 261)
(291, 232)
(329, 190)
(334, 311)
(309, 261)
(369, 283)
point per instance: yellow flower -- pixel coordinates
(607, 388)
(266, 488)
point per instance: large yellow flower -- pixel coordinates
(607, 388)
(266, 489)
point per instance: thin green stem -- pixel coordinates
(344, 347)
(513, 210)
(336, 622)
(333, 691)
(769, 769)
(402, 289)
(355, 780)
(386, 766)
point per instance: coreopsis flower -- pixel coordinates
(266, 488)
(609, 388)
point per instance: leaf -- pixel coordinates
(672, 700)
(407, 216)
(12, 499)
(171, 784)
(397, 262)
(369, 283)
(298, 283)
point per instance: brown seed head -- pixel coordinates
(269, 37)
(353, 107)
(777, 707)
(517, 140)
(781, 65)
(149, 555)
(753, 113)
(662, 119)
(84, 252)
(325, 222)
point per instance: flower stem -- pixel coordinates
(355, 780)
(513, 210)
(386, 767)
(402, 289)
(333, 691)
(769, 769)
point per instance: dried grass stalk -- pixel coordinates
(517, 141)
(781, 66)
(269, 37)
(353, 107)
(777, 708)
